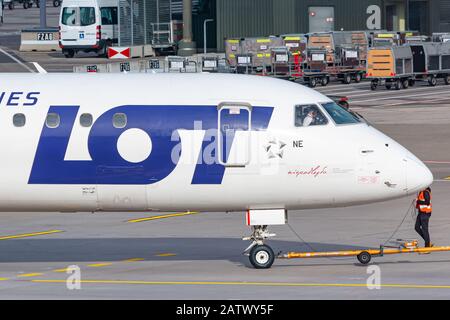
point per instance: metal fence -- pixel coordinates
(144, 22)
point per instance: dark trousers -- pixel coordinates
(422, 222)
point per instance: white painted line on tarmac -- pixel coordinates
(397, 97)
(415, 102)
(17, 60)
(39, 67)
(374, 93)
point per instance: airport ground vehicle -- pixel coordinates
(143, 150)
(391, 66)
(88, 25)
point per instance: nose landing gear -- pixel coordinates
(261, 256)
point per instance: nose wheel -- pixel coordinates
(261, 256)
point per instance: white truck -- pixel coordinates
(88, 26)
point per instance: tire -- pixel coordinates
(56, 3)
(347, 78)
(358, 78)
(312, 82)
(398, 84)
(69, 53)
(405, 84)
(324, 81)
(25, 5)
(373, 85)
(364, 257)
(388, 86)
(262, 257)
(11, 6)
(412, 82)
(447, 80)
(432, 81)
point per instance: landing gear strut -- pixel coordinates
(261, 255)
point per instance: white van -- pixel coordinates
(88, 25)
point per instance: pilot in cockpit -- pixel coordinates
(310, 118)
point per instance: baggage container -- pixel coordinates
(315, 69)
(281, 66)
(343, 53)
(431, 61)
(232, 48)
(390, 65)
(297, 46)
(385, 39)
(260, 48)
(360, 39)
(441, 37)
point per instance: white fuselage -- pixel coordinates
(155, 143)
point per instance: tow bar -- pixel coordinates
(365, 256)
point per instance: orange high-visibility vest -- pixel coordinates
(423, 207)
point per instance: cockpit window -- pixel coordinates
(339, 114)
(309, 115)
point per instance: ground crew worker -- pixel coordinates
(423, 205)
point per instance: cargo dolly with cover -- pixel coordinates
(391, 66)
(431, 61)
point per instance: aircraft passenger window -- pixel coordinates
(339, 114)
(309, 115)
(120, 120)
(19, 120)
(52, 120)
(86, 120)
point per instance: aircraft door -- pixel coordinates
(234, 128)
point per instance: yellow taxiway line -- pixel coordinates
(165, 216)
(26, 235)
(29, 275)
(262, 284)
(166, 255)
(98, 265)
(4, 279)
(133, 260)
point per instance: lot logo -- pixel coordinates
(157, 123)
(374, 20)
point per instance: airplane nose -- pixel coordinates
(418, 176)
